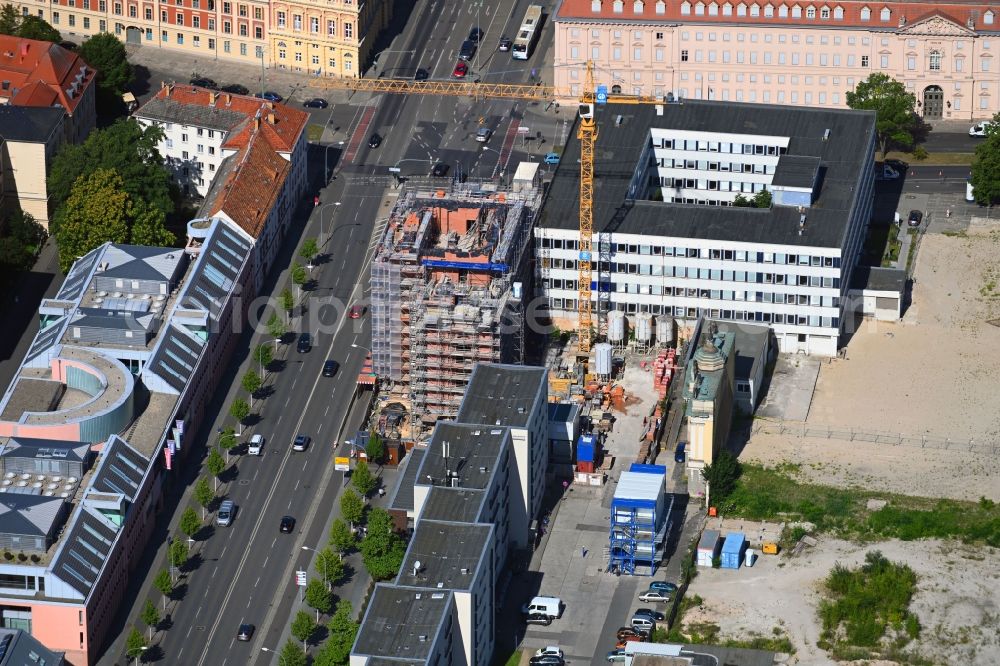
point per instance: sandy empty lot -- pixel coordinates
(958, 612)
(935, 373)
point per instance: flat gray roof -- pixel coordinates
(796, 171)
(473, 453)
(878, 279)
(402, 496)
(29, 124)
(750, 340)
(168, 110)
(402, 622)
(619, 147)
(454, 504)
(501, 394)
(449, 554)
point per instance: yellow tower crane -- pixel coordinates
(586, 133)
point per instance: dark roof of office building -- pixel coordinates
(28, 447)
(472, 455)
(19, 648)
(213, 277)
(796, 171)
(563, 412)
(619, 147)
(455, 504)
(402, 495)
(449, 554)
(29, 124)
(750, 340)
(84, 550)
(139, 262)
(402, 622)
(501, 394)
(878, 279)
(120, 470)
(176, 357)
(30, 515)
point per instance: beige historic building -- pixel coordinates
(805, 52)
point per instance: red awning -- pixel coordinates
(366, 380)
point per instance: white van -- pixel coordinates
(548, 606)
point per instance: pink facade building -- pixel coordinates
(799, 52)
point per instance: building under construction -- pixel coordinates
(449, 285)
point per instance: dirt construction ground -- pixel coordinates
(936, 373)
(959, 613)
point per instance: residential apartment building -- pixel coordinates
(333, 38)
(105, 403)
(326, 37)
(29, 139)
(669, 242)
(785, 51)
(245, 156)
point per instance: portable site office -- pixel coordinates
(638, 518)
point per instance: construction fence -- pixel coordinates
(849, 434)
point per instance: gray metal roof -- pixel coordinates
(19, 648)
(30, 124)
(501, 394)
(402, 495)
(84, 549)
(120, 469)
(46, 338)
(619, 148)
(29, 447)
(449, 554)
(473, 454)
(751, 340)
(175, 357)
(32, 515)
(113, 319)
(402, 622)
(79, 275)
(462, 505)
(212, 280)
(138, 262)
(171, 111)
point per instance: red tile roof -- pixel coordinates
(281, 132)
(42, 73)
(956, 10)
(252, 187)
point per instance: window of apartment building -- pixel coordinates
(885, 14)
(331, 28)
(684, 55)
(227, 7)
(754, 10)
(314, 24)
(659, 35)
(332, 63)
(959, 63)
(768, 11)
(163, 36)
(55, 17)
(163, 15)
(297, 21)
(298, 56)
(988, 17)
(348, 64)
(196, 21)
(243, 29)
(226, 46)
(281, 54)
(884, 61)
(796, 13)
(196, 40)
(258, 32)
(810, 12)
(86, 4)
(243, 11)
(984, 64)
(838, 13)
(685, 8)
(699, 9)
(86, 23)
(180, 38)
(117, 9)
(133, 11)
(211, 24)
(636, 54)
(864, 61)
(783, 11)
(180, 19)
(227, 27)
(211, 44)
(824, 13)
(315, 59)
(911, 62)
(934, 61)
(741, 9)
(282, 19)
(243, 48)
(147, 13)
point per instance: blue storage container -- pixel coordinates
(586, 448)
(733, 549)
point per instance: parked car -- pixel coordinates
(980, 129)
(679, 452)
(886, 172)
(506, 43)
(552, 158)
(637, 638)
(204, 82)
(245, 632)
(269, 96)
(227, 510)
(287, 524)
(483, 134)
(356, 311)
(476, 34)
(316, 103)
(616, 656)
(663, 586)
(256, 445)
(649, 612)
(301, 442)
(330, 368)
(625, 632)
(914, 218)
(549, 651)
(654, 596)
(461, 69)
(421, 75)
(235, 89)
(304, 344)
(375, 140)
(547, 660)
(538, 618)
(439, 170)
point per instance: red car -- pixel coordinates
(461, 69)
(356, 312)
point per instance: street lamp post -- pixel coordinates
(280, 656)
(326, 571)
(322, 215)
(139, 654)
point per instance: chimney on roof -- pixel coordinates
(24, 50)
(256, 123)
(270, 105)
(270, 118)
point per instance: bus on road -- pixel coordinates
(527, 35)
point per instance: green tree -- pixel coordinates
(150, 617)
(179, 553)
(343, 630)
(341, 536)
(986, 167)
(362, 478)
(216, 465)
(275, 327)
(106, 53)
(303, 627)
(287, 301)
(318, 597)
(762, 199)
(263, 355)
(190, 523)
(99, 209)
(203, 495)
(309, 249)
(722, 475)
(330, 567)
(382, 550)
(895, 118)
(125, 147)
(251, 384)
(292, 654)
(135, 644)
(9, 20)
(375, 448)
(34, 27)
(740, 201)
(352, 507)
(164, 584)
(227, 440)
(21, 237)
(299, 275)
(239, 410)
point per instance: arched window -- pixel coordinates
(727, 9)
(838, 13)
(661, 7)
(988, 17)
(885, 15)
(741, 9)
(866, 14)
(699, 9)
(638, 6)
(685, 7)
(934, 61)
(618, 6)
(713, 9)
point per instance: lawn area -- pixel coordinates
(892, 247)
(774, 494)
(314, 133)
(513, 660)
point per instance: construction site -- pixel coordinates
(450, 279)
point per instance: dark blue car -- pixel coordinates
(679, 452)
(269, 96)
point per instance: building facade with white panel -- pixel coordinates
(668, 240)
